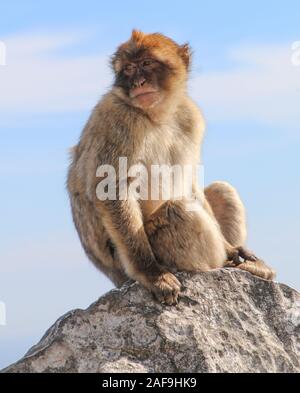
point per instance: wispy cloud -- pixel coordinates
(263, 86)
(39, 78)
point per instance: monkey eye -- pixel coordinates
(147, 63)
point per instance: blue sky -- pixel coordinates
(57, 55)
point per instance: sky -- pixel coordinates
(57, 55)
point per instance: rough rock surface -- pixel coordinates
(226, 321)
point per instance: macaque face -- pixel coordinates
(150, 68)
(143, 80)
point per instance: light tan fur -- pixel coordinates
(148, 240)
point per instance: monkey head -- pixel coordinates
(150, 68)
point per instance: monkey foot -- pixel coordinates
(166, 288)
(239, 255)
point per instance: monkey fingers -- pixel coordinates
(238, 253)
(246, 254)
(166, 289)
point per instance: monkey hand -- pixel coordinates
(166, 288)
(235, 255)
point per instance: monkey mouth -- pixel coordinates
(142, 91)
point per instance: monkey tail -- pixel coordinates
(257, 268)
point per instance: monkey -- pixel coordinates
(148, 117)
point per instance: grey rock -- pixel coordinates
(226, 321)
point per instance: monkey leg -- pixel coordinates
(229, 211)
(96, 241)
(185, 240)
(257, 268)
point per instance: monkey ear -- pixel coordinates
(185, 52)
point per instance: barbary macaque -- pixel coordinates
(148, 118)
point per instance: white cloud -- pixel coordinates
(37, 79)
(263, 86)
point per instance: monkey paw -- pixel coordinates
(166, 288)
(238, 253)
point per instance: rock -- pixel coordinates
(226, 321)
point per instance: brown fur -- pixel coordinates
(148, 240)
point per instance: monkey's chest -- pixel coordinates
(162, 168)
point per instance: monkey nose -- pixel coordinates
(140, 82)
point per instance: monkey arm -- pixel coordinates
(124, 224)
(123, 221)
